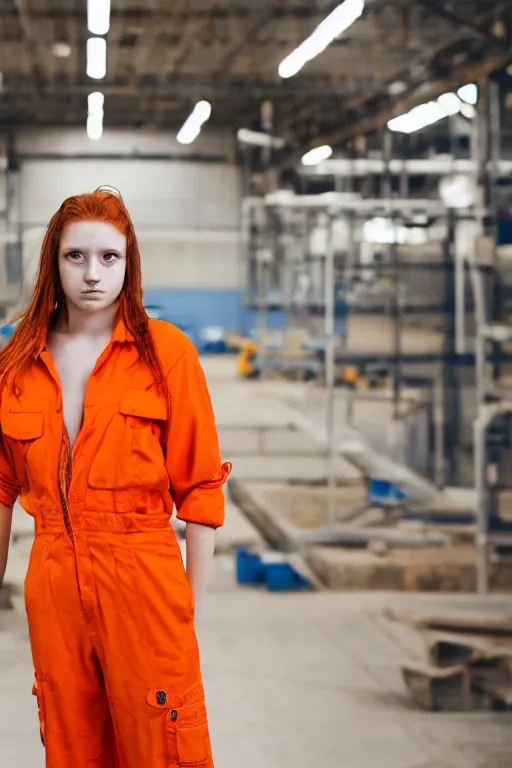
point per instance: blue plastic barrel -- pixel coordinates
(249, 568)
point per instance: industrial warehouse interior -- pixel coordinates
(322, 196)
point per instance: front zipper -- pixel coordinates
(64, 480)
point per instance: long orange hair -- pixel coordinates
(48, 298)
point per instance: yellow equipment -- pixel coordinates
(246, 357)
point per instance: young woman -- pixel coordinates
(106, 421)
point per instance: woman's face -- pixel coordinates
(92, 264)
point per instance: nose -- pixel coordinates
(92, 275)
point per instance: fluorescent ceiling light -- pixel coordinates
(202, 111)
(317, 155)
(450, 102)
(469, 93)
(467, 110)
(417, 118)
(259, 139)
(95, 127)
(96, 58)
(431, 112)
(98, 16)
(191, 128)
(188, 133)
(337, 22)
(61, 50)
(397, 87)
(95, 102)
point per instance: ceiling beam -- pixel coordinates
(144, 15)
(22, 15)
(467, 73)
(484, 30)
(356, 101)
(257, 25)
(181, 86)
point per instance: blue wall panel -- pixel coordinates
(195, 308)
(275, 319)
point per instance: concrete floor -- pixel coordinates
(293, 681)
(253, 419)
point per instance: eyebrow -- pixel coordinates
(72, 248)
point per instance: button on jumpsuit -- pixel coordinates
(109, 605)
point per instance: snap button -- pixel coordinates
(161, 697)
(173, 715)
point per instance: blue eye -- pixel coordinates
(74, 256)
(110, 257)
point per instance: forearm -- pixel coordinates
(200, 540)
(5, 535)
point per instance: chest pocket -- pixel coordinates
(23, 430)
(131, 453)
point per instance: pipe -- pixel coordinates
(434, 166)
(460, 295)
(479, 432)
(161, 157)
(330, 375)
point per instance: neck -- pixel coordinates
(78, 323)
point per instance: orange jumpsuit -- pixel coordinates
(109, 605)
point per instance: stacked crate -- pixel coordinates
(469, 660)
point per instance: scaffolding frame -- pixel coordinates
(335, 206)
(485, 166)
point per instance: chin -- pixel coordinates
(93, 305)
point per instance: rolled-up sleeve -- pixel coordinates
(196, 472)
(10, 488)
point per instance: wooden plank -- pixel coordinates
(490, 671)
(361, 536)
(472, 622)
(439, 690)
(459, 688)
(497, 696)
(445, 649)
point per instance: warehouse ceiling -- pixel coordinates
(164, 55)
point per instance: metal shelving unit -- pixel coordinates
(492, 436)
(492, 428)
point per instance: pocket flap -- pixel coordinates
(189, 708)
(193, 744)
(23, 425)
(143, 403)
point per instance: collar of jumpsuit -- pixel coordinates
(138, 451)
(120, 334)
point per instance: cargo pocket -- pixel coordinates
(37, 691)
(134, 436)
(193, 744)
(186, 726)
